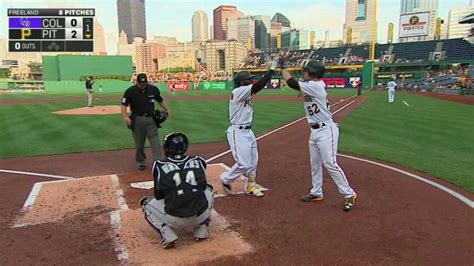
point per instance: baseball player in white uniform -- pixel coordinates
(391, 86)
(240, 136)
(324, 134)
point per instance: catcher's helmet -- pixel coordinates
(175, 144)
(315, 69)
(242, 75)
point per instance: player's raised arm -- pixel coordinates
(266, 77)
(292, 83)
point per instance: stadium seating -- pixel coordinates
(455, 49)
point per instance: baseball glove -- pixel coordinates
(160, 117)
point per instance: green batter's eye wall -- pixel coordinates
(75, 67)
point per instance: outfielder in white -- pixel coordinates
(324, 135)
(391, 87)
(240, 136)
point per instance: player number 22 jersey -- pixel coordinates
(240, 106)
(316, 104)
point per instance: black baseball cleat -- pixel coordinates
(310, 197)
(227, 188)
(349, 203)
(168, 245)
(200, 238)
(141, 167)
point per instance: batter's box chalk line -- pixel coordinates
(23, 219)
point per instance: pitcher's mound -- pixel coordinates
(96, 110)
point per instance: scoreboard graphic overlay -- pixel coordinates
(51, 30)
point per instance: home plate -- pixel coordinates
(213, 172)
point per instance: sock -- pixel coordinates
(252, 176)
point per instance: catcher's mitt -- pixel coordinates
(160, 117)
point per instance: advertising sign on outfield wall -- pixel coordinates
(213, 85)
(414, 24)
(335, 82)
(178, 86)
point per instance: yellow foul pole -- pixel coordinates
(374, 35)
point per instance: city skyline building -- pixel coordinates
(262, 32)
(224, 56)
(285, 22)
(275, 32)
(200, 26)
(242, 29)
(99, 39)
(295, 39)
(131, 19)
(412, 6)
(454, 29)
(360, 21)
(220, 17)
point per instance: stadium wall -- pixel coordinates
(76, 67)
(119, 85)
(77, 86)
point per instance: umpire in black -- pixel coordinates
(141, 98)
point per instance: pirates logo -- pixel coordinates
(275, 83)
(354, 81)
(414, 20)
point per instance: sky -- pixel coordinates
(173, 18)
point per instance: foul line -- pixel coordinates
(34, 174)
(439, 186)
(283, 127)
(116, 222)
(453, 193)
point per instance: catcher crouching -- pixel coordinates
(182, 197)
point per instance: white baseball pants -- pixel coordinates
(391, 95)
(322, 150)
(243, 145)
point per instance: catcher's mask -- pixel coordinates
(175, 145)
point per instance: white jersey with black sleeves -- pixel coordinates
(316, 104)
(240, 106)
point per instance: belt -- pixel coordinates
(245, 127)
(145, 115)
(316, 126)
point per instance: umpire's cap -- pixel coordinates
(175, 144)
(315, 69)
(242, 75)
(141, 78)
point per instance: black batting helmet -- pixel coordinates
(315, 69)
(175, 144)
(241, 76)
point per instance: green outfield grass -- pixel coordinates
(40, 95)
(32, 129)
(432, 136)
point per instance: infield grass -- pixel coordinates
(32, 129)
(430, 135)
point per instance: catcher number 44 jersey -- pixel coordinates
(316, 104)
(182, 184)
